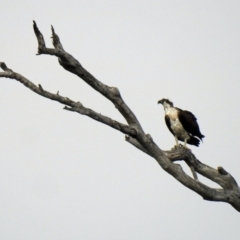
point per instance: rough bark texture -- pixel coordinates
(229, 191)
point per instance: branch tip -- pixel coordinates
(40, 87)
(222, 171)
(36, 30)
(40, 39)
(68, 108)
(4, 67)
(55, 40)
(52, 28)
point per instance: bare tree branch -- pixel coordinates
(69, 63)
(229, 191)
(219, 176)
(73, 106)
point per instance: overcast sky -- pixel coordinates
(65, 176)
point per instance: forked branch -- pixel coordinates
(229, 191)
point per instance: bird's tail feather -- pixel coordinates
(194, 141)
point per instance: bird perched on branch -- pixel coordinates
(182, 124)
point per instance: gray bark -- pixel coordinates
(228, 190)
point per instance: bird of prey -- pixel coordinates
(182, 124)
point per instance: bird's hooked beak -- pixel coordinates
(160, 101)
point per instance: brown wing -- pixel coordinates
(167, 120)
(189, 123)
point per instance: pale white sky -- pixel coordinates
(64, 176)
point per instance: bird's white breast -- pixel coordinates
(176, 125)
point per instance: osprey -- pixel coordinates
(181, 123)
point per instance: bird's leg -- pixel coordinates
(176, 139)
(185, 143)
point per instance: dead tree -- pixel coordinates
(228, 191)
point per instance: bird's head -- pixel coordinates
(165, 102)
